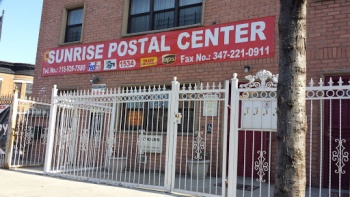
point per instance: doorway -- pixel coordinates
(336, 139)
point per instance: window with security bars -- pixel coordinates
(147, 15)
(150, 113)
(74, 25)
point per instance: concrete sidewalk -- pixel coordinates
(24, 184)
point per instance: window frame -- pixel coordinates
(65, 21)
(31, 92)
(19, 86)
(123, 114)
(1, 79)
(146, 111)
(176, 9)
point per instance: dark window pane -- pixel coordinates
(189, 16)
(74, 25)
(164, 20)
(156, 120)
(19, 88)
(75, 17)
(29, 89)
(139, 24)
(146, 15)
(187, 123)
(73, 34)
(163, 5)
(189, 2)
(139, 6)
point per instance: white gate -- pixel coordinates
(115, 137)
(200, 133)
(5, 108)
(151, 137)
(253, 133)
(26, 132)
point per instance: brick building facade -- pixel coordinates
(328, 48)
(328, 40)
(16, 75)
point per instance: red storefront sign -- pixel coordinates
(225, 42)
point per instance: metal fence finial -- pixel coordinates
(234, 75)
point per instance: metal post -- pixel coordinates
(171, 136)
(175, 104)
(233, 149)
(11, 132)
(51, 131)
(224, 137)
(112, 133)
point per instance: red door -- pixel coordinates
(251, 146)
(337, 140)
(252, 154)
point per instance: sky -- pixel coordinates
(20, 30)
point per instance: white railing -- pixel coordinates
(30, 132)
(24, 131)
(142, 136)
(160, 137)
(201, 139)
(252, 164)
(5, 104)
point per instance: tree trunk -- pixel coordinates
(292, 123)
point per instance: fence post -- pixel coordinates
(51, 131)
(111, 134)
(11, 132)
(233, 148)
(224, 137)
(171, 136)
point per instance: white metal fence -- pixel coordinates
(184, 137)
(5, 106)
(24, 132)
(160, 137)
(254, 131)
(201, 139)
(30, 132)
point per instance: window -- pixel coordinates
(151, 112)
(74, 25)
(145, 114)
(19, 88)
(147, 15)
(29, 89)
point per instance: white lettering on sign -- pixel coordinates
(223, 42)
(150, 144)
(245, 32)
(195, 39)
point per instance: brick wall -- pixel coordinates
(328, 43)
(7, 85)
